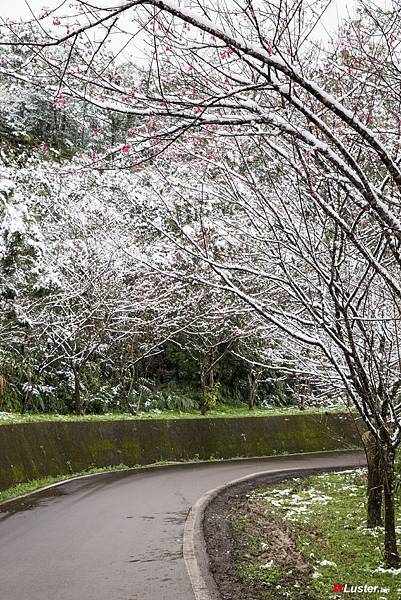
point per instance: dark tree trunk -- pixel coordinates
(79, 407)
(3, 386)
(375, 483)
(207, 381)
(27, 401)
(391, 555)
(253, 387)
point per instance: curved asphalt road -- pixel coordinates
(117, 536)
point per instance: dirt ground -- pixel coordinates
(227, 547)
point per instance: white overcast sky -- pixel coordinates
(18, 8)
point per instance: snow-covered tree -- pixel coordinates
(301, 140)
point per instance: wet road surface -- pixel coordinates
(117, 536)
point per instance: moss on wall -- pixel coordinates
(35, 450)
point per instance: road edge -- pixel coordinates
(194, 544)
(170, 464)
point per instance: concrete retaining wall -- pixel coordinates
(32, 451)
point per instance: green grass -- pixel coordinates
(34, 485)
(221, 411)
(326, 517)
(21, 489)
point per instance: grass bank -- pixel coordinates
(21, 489)
(221, 411)
(301, 537)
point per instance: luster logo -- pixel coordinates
(345, 588)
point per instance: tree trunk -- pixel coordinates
(207, 386)
(207, 381)
(79, 407)
(375, 484)
(3, 386)
(391, 555)
(253, 386)
(27, 401)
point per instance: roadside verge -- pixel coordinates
(194, 544)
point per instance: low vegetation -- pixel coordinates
(20, 489)
(220, 411)
(303, 537)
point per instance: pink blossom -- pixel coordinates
(126, 149)
(60, 102)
